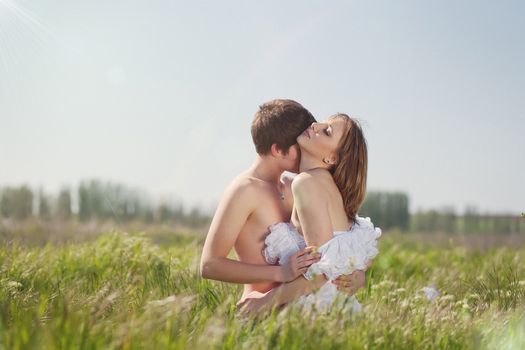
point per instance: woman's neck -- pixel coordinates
(309, 163)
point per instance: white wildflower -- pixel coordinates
(14, 284)
(431, 293)
(162, 302)
(448, 297)
(386, 283)
(417, 297)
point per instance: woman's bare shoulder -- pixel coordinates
(312, 177)
(310, 183)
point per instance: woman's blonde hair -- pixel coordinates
(350, 172)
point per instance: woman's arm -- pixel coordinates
(311, 204)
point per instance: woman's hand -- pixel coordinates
(298, 263)
(349, 284)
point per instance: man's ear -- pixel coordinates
(276, 151)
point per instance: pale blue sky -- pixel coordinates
(160, 94)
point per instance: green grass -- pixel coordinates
(123, 291)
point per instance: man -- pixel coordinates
(256, 199)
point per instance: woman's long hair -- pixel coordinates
(350, 172)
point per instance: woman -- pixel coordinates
(327, 193)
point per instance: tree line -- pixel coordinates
(389, 210)
(95, 200)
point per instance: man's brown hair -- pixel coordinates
(279, 121)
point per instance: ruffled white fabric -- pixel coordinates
(346, 252)
(282, 241)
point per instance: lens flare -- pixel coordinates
(22, 36)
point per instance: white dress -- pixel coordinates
(346, 252)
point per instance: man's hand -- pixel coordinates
(256, 303)
(298, 264)
(349, 284)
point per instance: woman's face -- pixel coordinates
(322, 139)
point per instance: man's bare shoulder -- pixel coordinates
(244, 187)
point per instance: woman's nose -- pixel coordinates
(317, 126)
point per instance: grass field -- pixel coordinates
(129, 291)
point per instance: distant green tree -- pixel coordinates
(387, 209)
(471, 220)
(63, 204)
(179, 213)
(163, 212)
(147, 215)
(16, 203)
(194, 217)
(44, 209)
(448, 220)
(503, 224)
(84, 203)
(107, 200)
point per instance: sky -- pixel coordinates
(160, 95)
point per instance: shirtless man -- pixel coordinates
(256, 199)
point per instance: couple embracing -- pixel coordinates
(298, 240)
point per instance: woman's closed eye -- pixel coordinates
(328, 132)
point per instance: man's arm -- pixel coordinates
(350, 283)
(287, 292)
(281, 295)
(232, 213)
